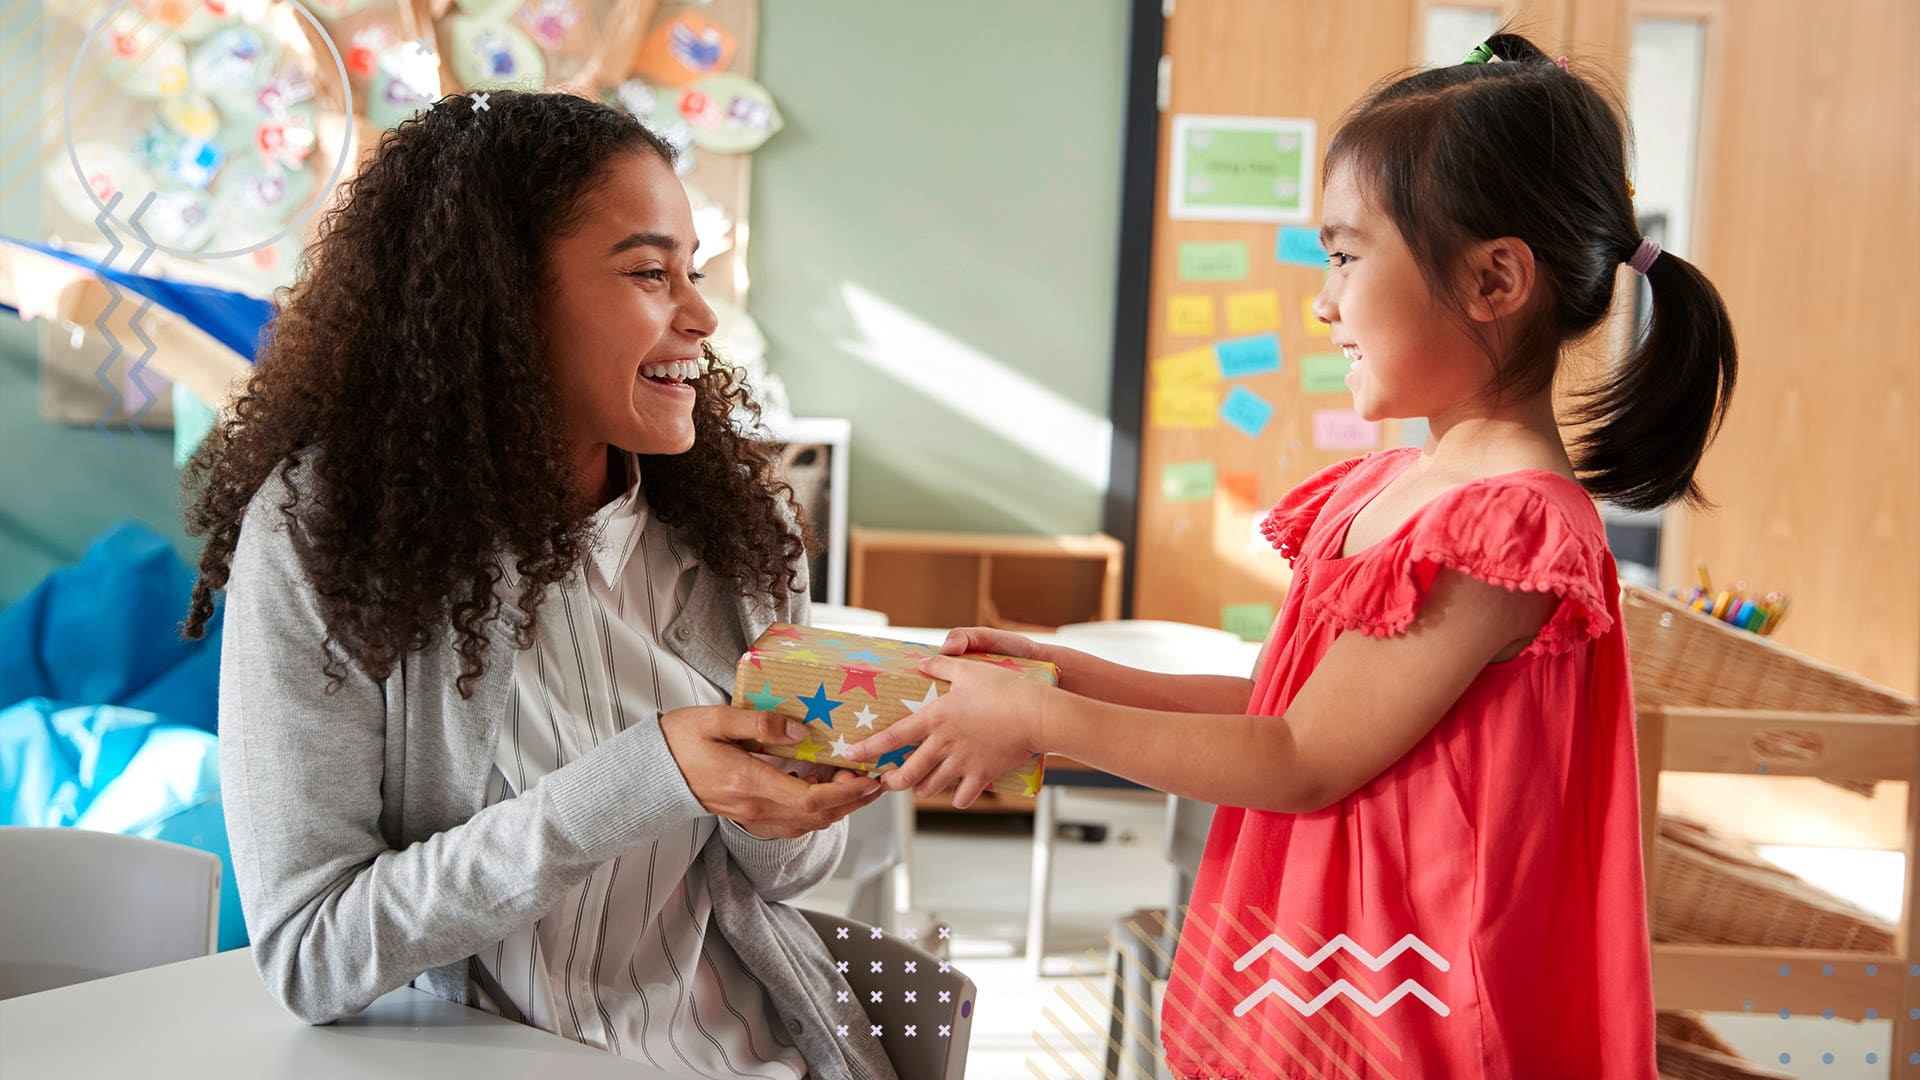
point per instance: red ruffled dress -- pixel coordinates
(1478, 909)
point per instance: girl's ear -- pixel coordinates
(1500, 276)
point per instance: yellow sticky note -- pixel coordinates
(1252, 312)
(1190, 316)
(1195, 367)
(1314, 326)
(1183, 407)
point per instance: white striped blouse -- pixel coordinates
(630, 960)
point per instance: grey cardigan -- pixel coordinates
(363, 854)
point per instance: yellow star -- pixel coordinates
(808, 750)
(803, 654)
(1033, 782)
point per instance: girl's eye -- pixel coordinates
(1338, 258)
(696, 277)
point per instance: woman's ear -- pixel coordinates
(1500, 278)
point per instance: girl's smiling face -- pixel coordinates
(623, 318)
(1410, 354)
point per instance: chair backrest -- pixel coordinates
(926, 1055)
(82, 905)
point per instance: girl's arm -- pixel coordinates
(1366, 704)
(1103, 680)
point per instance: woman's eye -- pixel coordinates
(1338, 258)
(655, 274)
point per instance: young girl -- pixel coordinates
(491, 547)
(1426, 860)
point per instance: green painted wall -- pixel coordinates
(932, 249)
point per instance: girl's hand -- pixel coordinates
(988, 723)
(988, 640)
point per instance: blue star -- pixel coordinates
(865, 656)
(896, 757)
(819, 706)
(765, 699)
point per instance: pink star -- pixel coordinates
(783, 630)
(860, 677)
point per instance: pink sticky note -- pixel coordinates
(1342, 429)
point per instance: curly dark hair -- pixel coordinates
(405, 374)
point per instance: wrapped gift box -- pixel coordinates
(845, 687)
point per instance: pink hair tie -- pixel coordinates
(1562, 62)
(1644, 255)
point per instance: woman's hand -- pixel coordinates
(709, 744)
(987, 724)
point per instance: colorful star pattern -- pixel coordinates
(865, 656)
(808, 750)
(933, 692)
(895, 757)
(819, 705)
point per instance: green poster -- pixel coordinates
(1242, 168)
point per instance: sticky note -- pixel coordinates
(1190, 316)
(1252, 312)
(1194, 367)
(1247, 411)
(1299, 245)
(1183, 407)
(1324, 373)
(1250, 621)
(1342, 429)
(1186, 481)
(1255, 355)
(1314, 326)
(1240, 489)
(1224, 260)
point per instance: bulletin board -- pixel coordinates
(1242, 393)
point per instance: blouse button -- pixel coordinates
(681, 632)
(793, 1026)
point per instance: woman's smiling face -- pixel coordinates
(622, 316)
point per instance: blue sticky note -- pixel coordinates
(1300, 246)
(1254, 355)
(1247, 411)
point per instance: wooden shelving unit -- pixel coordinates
(1026, 583)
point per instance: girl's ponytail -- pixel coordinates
(1663, 403)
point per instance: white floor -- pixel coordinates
(971, 874)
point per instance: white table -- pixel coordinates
(212, 1019)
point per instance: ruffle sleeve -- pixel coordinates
(1516, 536)
(1287, 524)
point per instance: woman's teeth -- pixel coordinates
(672, 371)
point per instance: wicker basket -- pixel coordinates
(1687, 1050)
(1710, 889)
(1682, 657)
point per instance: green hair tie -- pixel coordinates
(1481, 54)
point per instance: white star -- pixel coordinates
(911, 1030)
(946, 1031)
(841, 933)
(841, 997)
(865, 716)
(912, 997)
(915, 706)
(945, 996)
(843, 750)
(876, 1031)
(842, 1029)
(874, 997)
(912, 966)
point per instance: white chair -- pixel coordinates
(83, 905)
(1144, 942)
(925, 1055)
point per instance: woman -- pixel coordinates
(491, 548)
